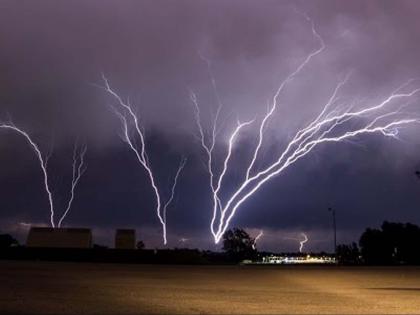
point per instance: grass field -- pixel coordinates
(83, 288)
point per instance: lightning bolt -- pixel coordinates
(305, 239)
(215, 179)
(301, 242)
(78, 171)
(174, 184)
(336, 122)
(254, 244)
(129, 118)
(43, 162)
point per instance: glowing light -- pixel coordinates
(334, 123)
(25, 224)
(78, 170)
(183, 240)
(129, 118)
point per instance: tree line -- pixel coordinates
(391, 244)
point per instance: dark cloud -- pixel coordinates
(51, 59)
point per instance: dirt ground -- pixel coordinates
(84, 288)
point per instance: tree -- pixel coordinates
(6, 240)
(394, 243)
(348, 254)
(238, 245)
(402, 240)
(373, 247)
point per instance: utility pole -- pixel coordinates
(335, 229)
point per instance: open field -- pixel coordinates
(85, 288)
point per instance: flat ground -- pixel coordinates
(84, 288)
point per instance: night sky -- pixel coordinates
(52, 55)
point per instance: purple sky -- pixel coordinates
(51, 59)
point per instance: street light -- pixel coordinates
(335, 229)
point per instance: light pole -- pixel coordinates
(335, 229)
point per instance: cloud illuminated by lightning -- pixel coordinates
(131, 124)
(335, 123)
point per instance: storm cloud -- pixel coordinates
(52, 56)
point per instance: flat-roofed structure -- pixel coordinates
(59, 237)
(125, 239)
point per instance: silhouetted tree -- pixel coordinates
(373, 247)
(395, 243)
(348, 254)
(237, 244)
(6, 240)
(140, 245)
(404, 240)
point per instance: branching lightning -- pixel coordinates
(335, 123)
(78, 170)
(131, 125)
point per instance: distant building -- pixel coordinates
(125, 239)
(308, 259)
(59, 237)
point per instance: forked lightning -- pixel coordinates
(336, 122)
(78, 170)
(131, 125)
